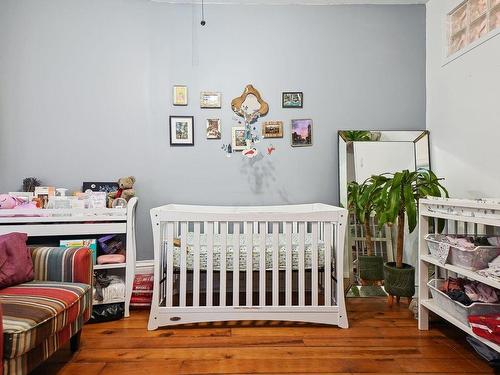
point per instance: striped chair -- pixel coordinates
(41, 316)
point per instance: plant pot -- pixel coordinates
(399, 282)
(371, 268)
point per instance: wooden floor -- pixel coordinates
(380, 340)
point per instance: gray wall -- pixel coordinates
(85, 93)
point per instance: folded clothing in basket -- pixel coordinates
(467, 292)
(486, 326)
(466, 243)
(493, 270)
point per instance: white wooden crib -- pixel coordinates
(202, 272)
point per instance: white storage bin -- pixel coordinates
(455, 308)
(472, 259)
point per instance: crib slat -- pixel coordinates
(276, 278)
(262, 263)
(182, 290)
(328, 264)
(236, 264)
(314, 261)
(209, 230)
(170, 263)
(223, 250)
(288, 271)
(301, 249)
(249, 247)
(196, 268)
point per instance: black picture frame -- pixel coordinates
(285, 103)
(172, 140)
(106, 187)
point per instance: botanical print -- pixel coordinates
(181, 130)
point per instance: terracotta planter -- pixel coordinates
(371, 268)
(399, 282)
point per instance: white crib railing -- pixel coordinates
(286, 264)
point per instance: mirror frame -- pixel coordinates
(236, 103)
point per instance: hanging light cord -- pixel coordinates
(203, 23)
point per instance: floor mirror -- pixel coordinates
(363, 153)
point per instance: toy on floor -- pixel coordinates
(125, 190)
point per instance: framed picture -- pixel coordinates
(107, 187)
(239, 142)
(180, 95)
(181, 130)
(272, 129)
(213, 128)
(210, 99)
(292, 99)
(302, 132)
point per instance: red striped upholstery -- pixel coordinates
(40, 316)
(36, 310)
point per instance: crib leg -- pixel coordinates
(390, 300)
(398, 299)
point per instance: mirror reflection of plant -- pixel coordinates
(399, 195)
(357, 135)
(363, 201)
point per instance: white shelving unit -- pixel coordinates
(75, 222)
(461, 217)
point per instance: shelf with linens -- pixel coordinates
(460, 220)
(52, 225)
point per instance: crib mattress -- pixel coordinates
(255, 252)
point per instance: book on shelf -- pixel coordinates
(90, 243)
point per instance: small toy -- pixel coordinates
(125, 190)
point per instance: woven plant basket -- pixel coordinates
(399, 282)
(371, 268)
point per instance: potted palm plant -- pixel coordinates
(399, 200)
(362, 200)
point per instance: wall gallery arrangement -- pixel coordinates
(248, 108)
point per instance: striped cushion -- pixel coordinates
(37, 310)
(25, 363)
(62, 264)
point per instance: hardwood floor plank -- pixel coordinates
(381, 340)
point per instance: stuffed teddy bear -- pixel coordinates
(125, 190)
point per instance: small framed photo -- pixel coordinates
(210, 99)
(181, 130)
(302, 132)
(180, 95)
(238, 138)
(292, 99)
(272, 129)
(213, 128)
